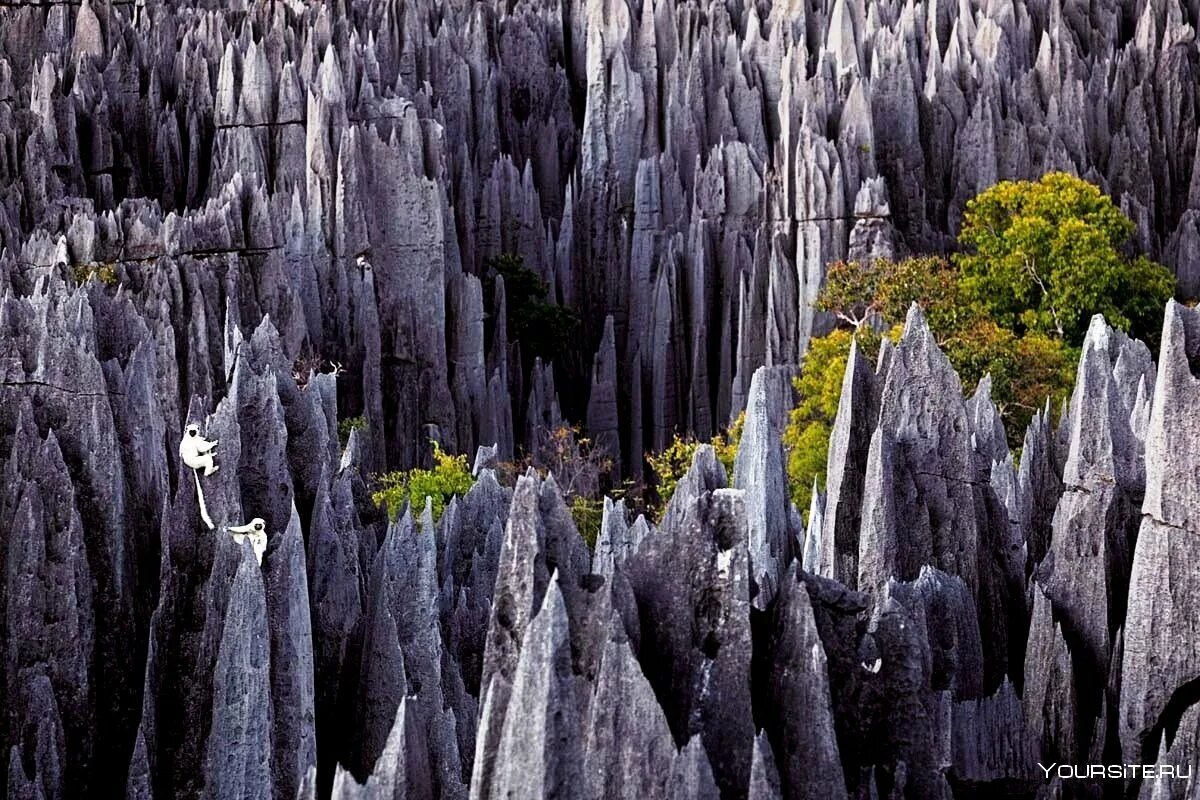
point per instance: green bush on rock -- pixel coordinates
(449, 476)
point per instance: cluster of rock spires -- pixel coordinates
(259, 188)
(947, 620)
(679, 173)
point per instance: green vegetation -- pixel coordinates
(673, 461)
(818, 390)
(1039, 259)
(577, 465)
(1046, 256)
(544, 329)
(106, 273)
(588, 514)
(450, 476)
(349, 424)
(580, 469)
(1026, 367)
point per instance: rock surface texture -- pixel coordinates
(268, 218)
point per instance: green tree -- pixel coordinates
(854, 291)
(1047, 255)
(1026, 368)
(544, 329)
(1040, 258)
(449, 476)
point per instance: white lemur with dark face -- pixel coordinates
(256, 532)
(198, 452)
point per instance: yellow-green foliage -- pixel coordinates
(1045, 256)
(673, 461)
(450, 476)
(588, 513)
(1039, 259)
(1027, 366)
(105, 273)
(1026, 370)
(818, 390)
(349, 424)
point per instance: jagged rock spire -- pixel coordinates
(760, 471)
(275, 219)
(918, 470)
(1156, 667)
(849, 443)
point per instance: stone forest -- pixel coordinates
(631, 399)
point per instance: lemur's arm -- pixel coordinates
(204, 445)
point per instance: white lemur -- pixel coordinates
(256, 532)
(199, 453)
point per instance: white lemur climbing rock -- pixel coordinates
(199, 453)
(256, 531)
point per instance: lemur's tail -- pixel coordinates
(200, 497)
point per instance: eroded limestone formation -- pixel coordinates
(266, 219)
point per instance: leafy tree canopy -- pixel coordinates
(1027, 368)
(545, 329)
(1039, 259)
(1045, 256)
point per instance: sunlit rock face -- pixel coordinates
(267, 219)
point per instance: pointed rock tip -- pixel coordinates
(914, 321)
(983, 390)
(1097, 327)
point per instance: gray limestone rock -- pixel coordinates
(899, 696)
(809, 764)
(990, 739)
(695, 635)
(1159, 657)
(1039, 485)
(760, 472)
(36, 760)
(815, 535)
(539, 753)
(1049, 699)
(602, 413)
(922, 449)
(848, 448)
(692, 775)
(629, 752)
(238, 760)
(617, 540)
(292, 676)
(402, 770)
(539, 541)
(764, 778)
(271, 219)
(954, 633)
(48, 585)
(1086, 572)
